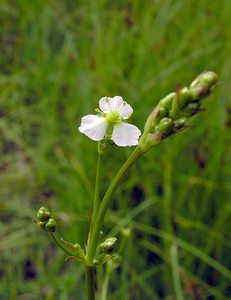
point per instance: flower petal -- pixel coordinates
(125, 110)
(116, 102)
(104, 104)
(125, 134)
(93, 126)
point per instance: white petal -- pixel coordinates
(125, 134)
(116, 102)
(125, 110)
(93, 126)
(104, 104)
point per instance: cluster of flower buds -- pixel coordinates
(45, 221)
(172, 112)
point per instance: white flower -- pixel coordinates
(109, 121)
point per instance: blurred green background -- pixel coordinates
(57, 59)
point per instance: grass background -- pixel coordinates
(57, 58)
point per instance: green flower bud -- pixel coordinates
(43, 214)
(192, 108)
(51, 225)
(175, 110)
(165, 125)
(203, 84)
(156, 115)
(183, 97)
(167, 101)
(180, 123)
(109, 245)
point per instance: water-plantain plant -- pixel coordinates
(109, 127)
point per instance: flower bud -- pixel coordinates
(165, 125)
(109, 245)
(156, 115)
(167, 101)
(181, 99)
(180, 123)
(184, 96)
(51, 225)
(203, 84)
(43, 214)
(192, 108)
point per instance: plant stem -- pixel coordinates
(106, 201)
(61, 245)
(105, 283)
(97, 186)
(90, 282)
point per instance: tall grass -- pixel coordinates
(57, 59)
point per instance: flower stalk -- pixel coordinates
(94, 236)
(97, 182)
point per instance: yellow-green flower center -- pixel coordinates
(113, 117)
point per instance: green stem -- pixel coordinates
(105, 283)
(94, 237)
(97, 186)
(90, 282)
(61, 245)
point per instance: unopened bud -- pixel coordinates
(184, 96)
(109, 245)
(51, 225)
(43, 214)
(192, 108)
(180, 123)
(156, 115)
(181, 99)
(203, 84)
(166, 102)
(165, 125)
